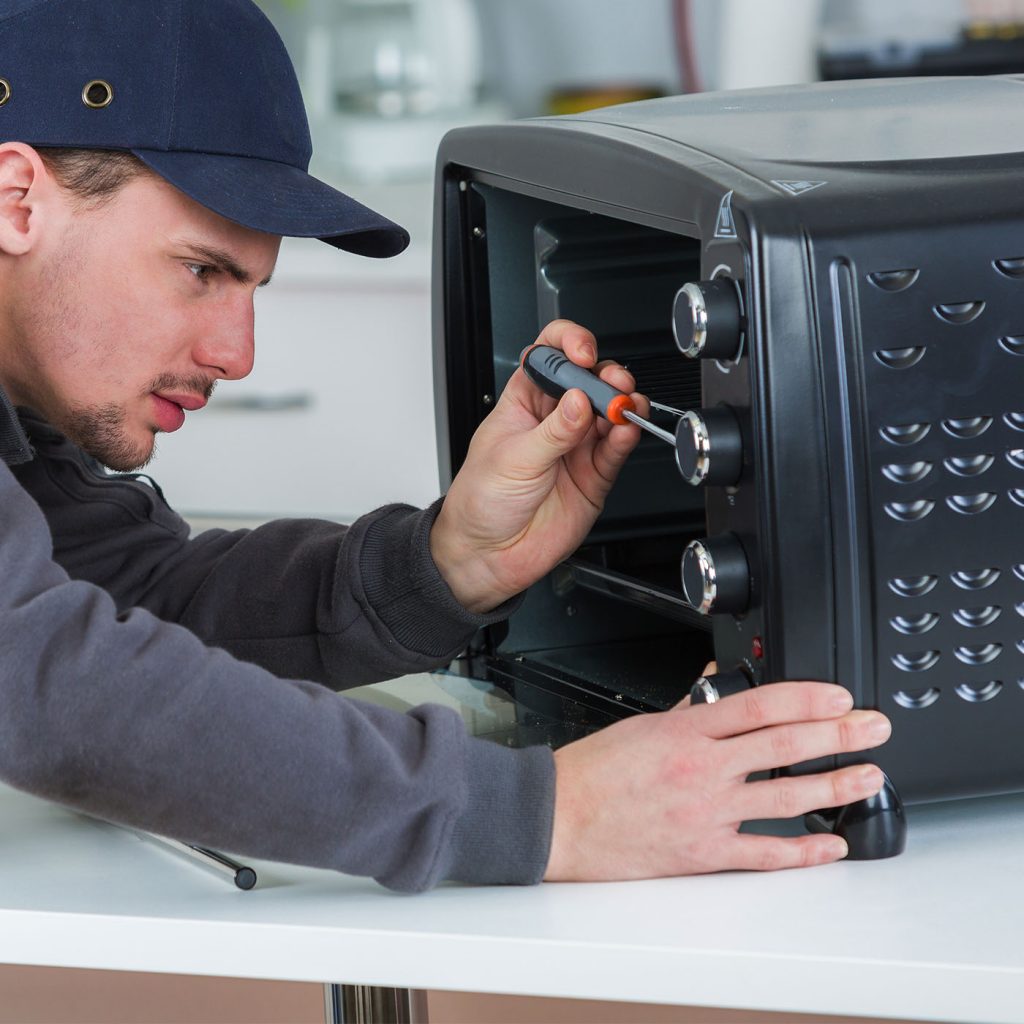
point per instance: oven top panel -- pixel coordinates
(880, 121)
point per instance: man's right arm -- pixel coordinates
(135, 720)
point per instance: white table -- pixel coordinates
(934, 934)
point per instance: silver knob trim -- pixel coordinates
(699, 319)
(702, 447)
(703, 686)
(709, 578)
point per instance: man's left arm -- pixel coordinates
(401, 590)
(336, 604)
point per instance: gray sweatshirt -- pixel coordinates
(185, 686)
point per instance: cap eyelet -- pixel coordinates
(98, 94)
(5, 91)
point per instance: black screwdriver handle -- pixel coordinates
(549, 369)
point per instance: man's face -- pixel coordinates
(123, 317)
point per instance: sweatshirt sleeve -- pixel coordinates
(119, 714)
(314, 599)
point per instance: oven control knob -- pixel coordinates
(711, 689)
(716, 575)
(709, 447)
(707, 320)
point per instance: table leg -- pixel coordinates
(367, 1004)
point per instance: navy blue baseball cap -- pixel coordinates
(202, 91)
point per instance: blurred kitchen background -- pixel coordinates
(338, 416)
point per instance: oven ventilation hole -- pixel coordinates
(1014, 420)
(908, 433)
(1017, 496)
(909, 511)
(978, 654)
(907, 472)
(913, 586)
(975, 618)
(1019, 608)
(969, 465)
(1015, 457)
(914, 625)
(914, 700)
(919, 661)
(1010, 268)
(1012, 343)
(971, 504)
(1018, 571)
(973, 426)
(959, 312)
(978, 693)
(1020, 647)
(975, 579)
(894, 280)
(900, 358)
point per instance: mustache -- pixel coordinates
(194, 384)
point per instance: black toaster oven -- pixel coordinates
(827, 283)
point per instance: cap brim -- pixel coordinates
(278, 199)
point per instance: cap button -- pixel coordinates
(98, 94)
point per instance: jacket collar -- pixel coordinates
(14, 445)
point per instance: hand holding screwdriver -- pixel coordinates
(696, 433)
(554, 374)
(533, 481)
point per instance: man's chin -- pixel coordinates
(127, 456)
(115, 451)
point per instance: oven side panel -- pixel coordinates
(939, 353)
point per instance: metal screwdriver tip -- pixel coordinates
(667, 408)
(650, 427)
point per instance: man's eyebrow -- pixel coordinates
(223, 261)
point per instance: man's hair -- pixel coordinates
(92, 176)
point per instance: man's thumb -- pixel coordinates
(565, 427)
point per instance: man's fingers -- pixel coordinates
(773, 704)
(576, 342)
(793, 797)
(773, 853)
(782, 745)
(616, 375)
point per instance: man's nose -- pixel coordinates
(228, 344)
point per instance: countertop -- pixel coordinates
(933, 934)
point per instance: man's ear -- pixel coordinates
(24, 179)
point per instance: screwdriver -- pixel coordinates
(554, 375)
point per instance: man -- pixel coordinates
(152, 154)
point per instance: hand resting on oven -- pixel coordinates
(665, 794)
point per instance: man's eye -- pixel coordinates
(201, 270)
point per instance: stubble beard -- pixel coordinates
(101, 433)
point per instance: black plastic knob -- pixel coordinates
(716, 575)
(709, 447)
(706, 319)
(710, 689)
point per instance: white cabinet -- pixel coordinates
(337, 417)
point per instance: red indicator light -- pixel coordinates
(757, 648)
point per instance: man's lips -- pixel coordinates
(188, 402)
(170, 409)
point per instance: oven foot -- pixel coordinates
(874, 829)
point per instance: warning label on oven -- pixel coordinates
(799, 188)
(725, 226)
